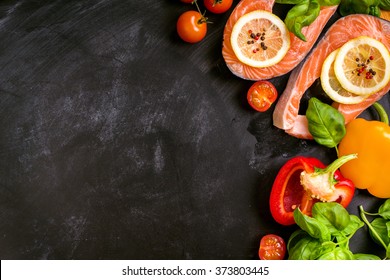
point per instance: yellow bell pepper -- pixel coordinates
(371, 170)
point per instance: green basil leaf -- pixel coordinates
(365, 257)
(331, 214)
(370, 7)
(384, 4)
(328, 2)
(384, 210)
(338, 254)
(388, 251)
(381, 231)
(304, 249)
(326, 123)
(354, 224)
(295, 237)
(313, 227)
(388, 229)
(301, 15)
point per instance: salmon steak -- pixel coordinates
(296, 53)
(286, 114)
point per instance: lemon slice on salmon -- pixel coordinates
(362, 66)
(260, 39)
(332, 86)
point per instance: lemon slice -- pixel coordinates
(260, 39)
(362, 66)
(331, 85)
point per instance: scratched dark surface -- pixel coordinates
(120, 141)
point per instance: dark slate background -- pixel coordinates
(120, 141)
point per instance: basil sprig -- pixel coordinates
(379, 228)
(326, 124)
(303, 13)
(325, 235)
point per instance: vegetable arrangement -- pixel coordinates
(305, 192)
(325, 235)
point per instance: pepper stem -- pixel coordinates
(332, 168)
(381, 112)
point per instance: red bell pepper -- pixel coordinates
(302, 181)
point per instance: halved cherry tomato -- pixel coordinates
(191, 26)
(272, 247)
(261, 95)
(218, 6)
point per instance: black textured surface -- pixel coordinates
(120, 141)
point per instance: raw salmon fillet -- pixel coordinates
(298, 48)
(285, 115)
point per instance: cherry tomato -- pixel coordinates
(261, 95)
(191, 26)
(218, 6)
(187, 1)
(272, 247)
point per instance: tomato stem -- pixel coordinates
(203, 18)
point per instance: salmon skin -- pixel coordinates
(298, 48)
(285, 115)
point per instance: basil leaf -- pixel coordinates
(354, 224)
(312, 226)
(331, 214)
(384, 210)
(369, 7)
(380, 227)
(328, 2)
(366, 257)
(384, 4)
(304, 248)
(326, 124)
(388, 251)
(338, 254)
(295, 237)
(301, 15)
(388, 230)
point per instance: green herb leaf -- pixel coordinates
(328, 2)
(384, 4)
(384, 209)
(354, 224)
(366, 257)
(301, 15)
(304, 249)
(369, 7)
(388, 252)
(379, 231)
(326, 124)
(331, 214)
(338, 254)
(295, 237)
(312, 226)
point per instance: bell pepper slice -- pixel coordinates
(303, 181)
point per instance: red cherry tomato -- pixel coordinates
(218, 6)
(187, 1)
(191, 26)
(272, 247)
(261, 95)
